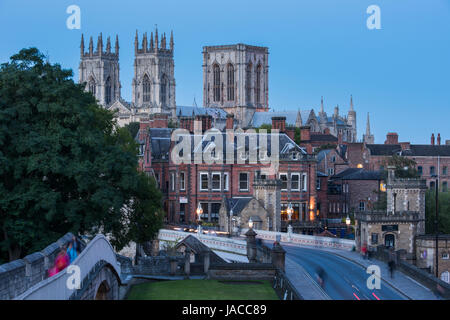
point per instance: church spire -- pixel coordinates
(151, 42)
(117, 45)
(108, 45)
(91, 46)
(368, 125)
(82, 45)
(100, 44)
(136, 43)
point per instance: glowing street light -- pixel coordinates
(199, 214)
(348, 221)
(290, 211)
(250, 223)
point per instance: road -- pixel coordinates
(344, 280)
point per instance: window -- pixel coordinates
(318, 184)
(146, 89)
(230, 82)
(330, 171)
(432, 170)
(163, 90)
(362, 206)
(243, 181)
(304, 182)
(432, 185)
(333, 159)
(215, 181)
(444, 170)
(172, 181)
(225, 181)
(374, 239)
(295, 181)
(216, 82)
(283, 178)
(445, 276)
(182, 181)
(420, 170)
(108, 91)
(215, 208)
(445, 256)
(203, 181)
(157, 178)
(92, 86)
(258, 84)
(444, 186)
(248, 81)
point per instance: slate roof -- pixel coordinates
(322, 153)
(415, 150)
(237, 204)
(260, 118)
(160, 142)
(189, 111)
(322, 137)
(357, 174)
(321, 174)
(199, 248)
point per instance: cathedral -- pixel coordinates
(235, 81)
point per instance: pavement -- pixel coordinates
(347, 277)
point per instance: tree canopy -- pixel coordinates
(64, 163)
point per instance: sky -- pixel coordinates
(400, 74)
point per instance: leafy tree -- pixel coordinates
(404, 167)
(325, 147)
(266, 126)
(64, 163)
(133, 128)
(444, 212)
(297, 136)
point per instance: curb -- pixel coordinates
(364, 267)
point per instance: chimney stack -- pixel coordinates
(439, 139)
(230, 122)
(187, 123)
(279, 123)
(432, 139)
(391, 138)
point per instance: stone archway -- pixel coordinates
(103, 291)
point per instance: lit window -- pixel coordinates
(359, 166)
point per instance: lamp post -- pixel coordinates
(199, 221)
(289, 213)
(229, 225)
(436, 224)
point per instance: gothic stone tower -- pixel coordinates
(99, 70)
(154, 81)
(236, 78)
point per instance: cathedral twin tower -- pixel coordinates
(153, 82)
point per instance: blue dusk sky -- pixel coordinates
(400, 73)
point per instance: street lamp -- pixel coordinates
(289, 211)
(250, 223)
(230, 227)
(348, 221)
(436, 224)
(199, 221)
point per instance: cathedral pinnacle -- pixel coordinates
(171, 40)
(351, 103)
(82, 45)
(108, 45)
(117, 45)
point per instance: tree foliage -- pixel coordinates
(404, 167)
(133, 128)
(444, 211)
(64, 164)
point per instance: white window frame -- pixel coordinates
(212, 181)
(240, 189)
(330, 171)
(298, 181)
(172, 181)
(279, 177)
(182, 181)
(207, 179)
(225, 181)
(304, 182)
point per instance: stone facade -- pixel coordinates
(426, 258)
(236, 78)
(99, 70)
(403, 220)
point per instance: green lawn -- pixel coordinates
(202, 290)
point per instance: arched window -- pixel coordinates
(230, 82)
(92, 86)
(146, 88)
(248, 83)
(258, 84)
(108, 91)
(216, 82)
(164, 90)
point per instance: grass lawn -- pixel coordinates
(202, 290)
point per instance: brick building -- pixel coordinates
(187, 186)
(426, 258)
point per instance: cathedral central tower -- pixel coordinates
(154, 81)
